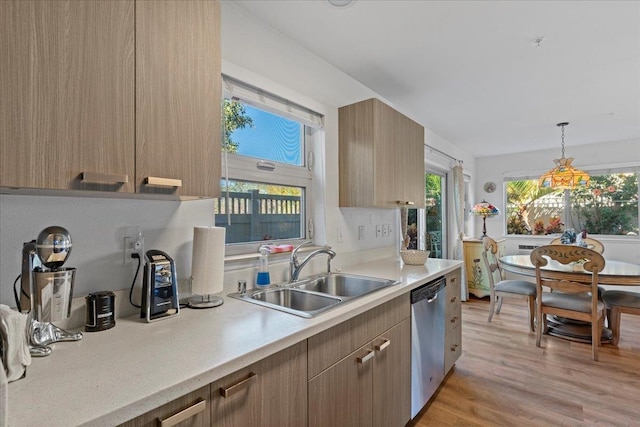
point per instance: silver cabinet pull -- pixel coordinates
(185, 414)
(232, 389)
(405, 202)
(367, 357)
(103, 177)
(163, 182)
(385, 344)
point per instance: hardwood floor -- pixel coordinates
(503, 379)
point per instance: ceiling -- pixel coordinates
(469, 71)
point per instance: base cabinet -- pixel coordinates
(370, 385)
(477, 277)
(271, 392)
(453, 320)
(191, 410)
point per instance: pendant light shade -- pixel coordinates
(564, 176)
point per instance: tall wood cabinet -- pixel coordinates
(477, 276)
(381, 157)
(116, 96)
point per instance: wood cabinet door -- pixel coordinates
(67, 103)
(392, 376)
(178, 97)
(190, 410)
(341, 395)
(271, 392)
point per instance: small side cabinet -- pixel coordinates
(477, 277)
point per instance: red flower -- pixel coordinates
(611, 189)
(597, 192)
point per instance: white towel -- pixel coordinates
(13, 328)
(4, 397)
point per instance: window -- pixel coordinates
(609, 206)
(267, 177)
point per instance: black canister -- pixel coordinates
(101, 313)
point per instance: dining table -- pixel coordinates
(618, 273)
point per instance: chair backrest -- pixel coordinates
(566, 254)
(594, 244)
(490, 249)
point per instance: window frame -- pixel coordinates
(567, 211)
(236, 167)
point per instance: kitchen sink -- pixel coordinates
(311, 296)
(344, 285)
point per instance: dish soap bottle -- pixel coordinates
(263, 279)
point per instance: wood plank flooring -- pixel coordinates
(503, 379)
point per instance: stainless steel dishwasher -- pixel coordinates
(427, 342)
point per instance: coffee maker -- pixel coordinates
(47, 288)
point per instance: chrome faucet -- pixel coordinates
(295, 266)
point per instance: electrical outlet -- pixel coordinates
(340, 234)
(385, 230)
(133, 243)
(378, 231)
(361, 232)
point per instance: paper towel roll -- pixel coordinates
(207, 262)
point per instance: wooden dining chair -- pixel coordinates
(618, 302)
(569, 299)
(592, 243)
(500, 287)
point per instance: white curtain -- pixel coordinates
(458, 205)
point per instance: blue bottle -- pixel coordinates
(263, 278)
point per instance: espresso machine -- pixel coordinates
(47, 288)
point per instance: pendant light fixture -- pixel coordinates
(564, 176)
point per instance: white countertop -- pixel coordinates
(112, 376)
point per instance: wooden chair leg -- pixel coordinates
(596, 331)
(541, 326)
(614, 325)
(492, 306)
(500, 299)
(532, 313)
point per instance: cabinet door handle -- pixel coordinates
(405, 202)
(185, 414)
(385, 344)
(232, 389)
(163, 182)
(103, 177)
(367, 357)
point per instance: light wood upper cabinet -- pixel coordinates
(178, 97)
(381, 157)
(67, 103)
(117, 96)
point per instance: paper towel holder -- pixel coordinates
(206, 300)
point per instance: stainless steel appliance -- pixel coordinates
(427, 342)
(47, 288)
(159, 287)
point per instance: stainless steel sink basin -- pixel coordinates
(344, 285)
(295, 299)
(314, 295)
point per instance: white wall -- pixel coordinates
(251, 51)
(614, 153)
